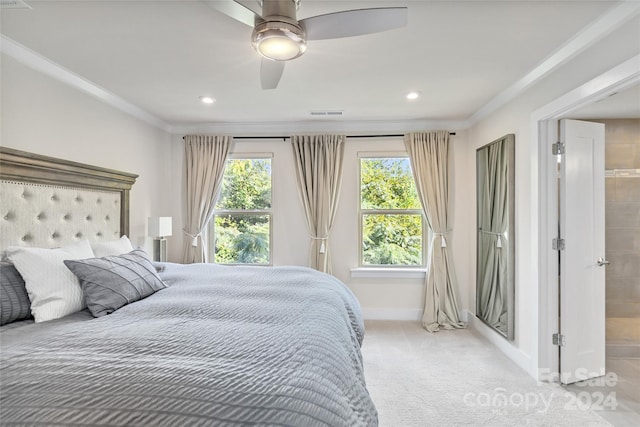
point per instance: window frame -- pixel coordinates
(211, 228)
(362, 212)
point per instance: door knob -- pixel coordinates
(602, 262)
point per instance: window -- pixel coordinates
(391, 220)
(240, 232)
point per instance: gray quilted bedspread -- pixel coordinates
(221, 346)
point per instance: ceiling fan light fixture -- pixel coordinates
(279, 41)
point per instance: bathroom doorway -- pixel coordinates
(614, 95)
(621, 383)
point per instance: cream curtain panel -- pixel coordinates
(318, 160)
(205, 158)
(493, 221)
(429, 155)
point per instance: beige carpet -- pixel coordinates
(456, 378)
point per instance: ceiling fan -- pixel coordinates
(279, 37)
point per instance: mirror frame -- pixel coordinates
(509, 140)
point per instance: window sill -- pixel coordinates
(383, 273)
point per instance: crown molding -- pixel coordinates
(610, 21)
(589, 35)
(49, 68)
(617, 79)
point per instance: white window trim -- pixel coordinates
(388, 272)
(269, 212)
(372, 270)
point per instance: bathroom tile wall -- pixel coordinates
(622, 192)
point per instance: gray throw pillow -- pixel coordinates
(14, 300)
(112, 282)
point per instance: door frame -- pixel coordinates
(544, 207)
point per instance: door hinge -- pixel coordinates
(557, 244)
(558, 339)
(557, 148)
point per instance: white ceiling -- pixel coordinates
(161, 56)
(618, 105)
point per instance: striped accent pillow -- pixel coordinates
(112, 282)
(14, 301)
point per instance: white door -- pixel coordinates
(582, 263)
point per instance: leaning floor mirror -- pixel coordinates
(495, 279)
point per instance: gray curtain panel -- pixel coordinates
(493, 221)
(318, 160)
(429, 155)
(205, 157)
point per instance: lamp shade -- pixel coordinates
(159, 226)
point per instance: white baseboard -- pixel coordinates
(508, 348)
(392, 313)
(398, 314)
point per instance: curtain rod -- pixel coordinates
(398, 135)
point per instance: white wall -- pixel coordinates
(47, 117)
(44, 116)
(290, 235)
(515, 117)
(393, 297)
(379, 297)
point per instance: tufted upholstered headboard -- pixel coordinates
(48, 202)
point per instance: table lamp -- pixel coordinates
(159, 228)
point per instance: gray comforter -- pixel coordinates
(220, 346)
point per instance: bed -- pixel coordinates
(212, 345)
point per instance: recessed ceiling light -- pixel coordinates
(207, 99)
(413, 95)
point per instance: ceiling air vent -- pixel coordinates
(328, 113)
(13, 4)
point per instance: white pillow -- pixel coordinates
(113, 247)
(53, 289)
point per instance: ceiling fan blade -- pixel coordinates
(236, 11)
(270, 73)
(354, 22)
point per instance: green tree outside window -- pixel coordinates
(391, 216)
(242, 224)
